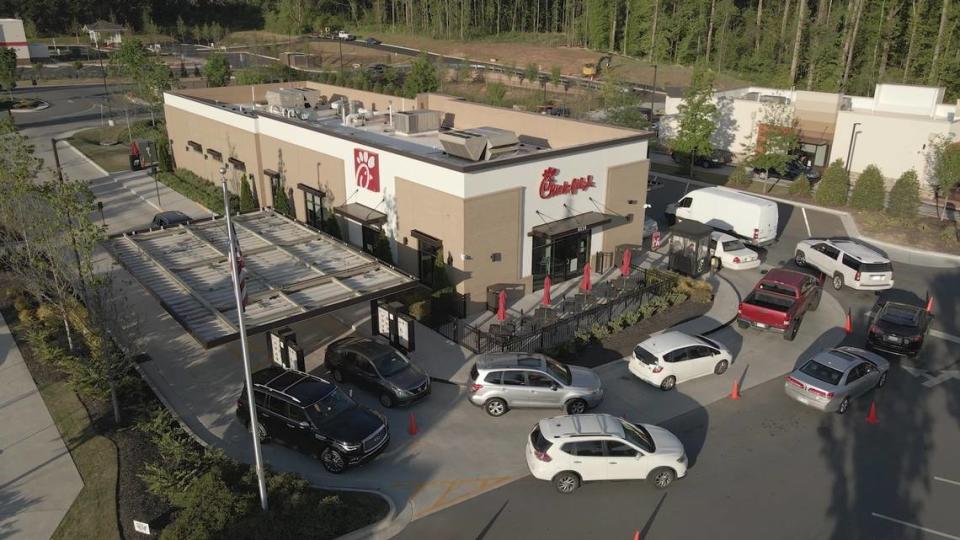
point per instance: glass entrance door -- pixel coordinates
(561, 258)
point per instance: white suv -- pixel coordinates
(846, 263)
(570, 450)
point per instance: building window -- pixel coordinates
(197, 147)
(217, 156)
(428, 249)
(313, 203)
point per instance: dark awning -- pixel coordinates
(312, 190)
(362, 214)
(237, 164)
(214, 154)
(579, 222)
(270, 172)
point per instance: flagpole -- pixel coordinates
(258, 457)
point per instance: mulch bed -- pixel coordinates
(616, 346)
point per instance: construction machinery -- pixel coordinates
(593, 69)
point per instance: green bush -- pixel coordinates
(331, 226)
(599, 331)
(381, 249)
(197, 189)
(801, 186)
(281, 202)
(834, 186)
(419, 310)
(247, 202)
(868, 192)
(904, 197)
(741, 177)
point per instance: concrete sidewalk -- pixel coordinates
(38, 479)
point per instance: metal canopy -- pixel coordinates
(293, 272)
(579, 222)
(362, 214)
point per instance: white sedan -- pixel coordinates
(729, 252)
(672, 357)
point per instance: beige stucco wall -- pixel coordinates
(492, 225)
(238, 94)
(626, 183)
(432, 212)
(301, 165)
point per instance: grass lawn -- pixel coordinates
(93, 513)
(112, 158)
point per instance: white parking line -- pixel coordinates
(954, 482)
(918, 527)
(944, 336)
(806, 221)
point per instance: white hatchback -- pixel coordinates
(570, 450)
(730, 252)
(668, 358)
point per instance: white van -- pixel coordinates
(751, 218)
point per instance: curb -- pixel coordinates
(388, 527)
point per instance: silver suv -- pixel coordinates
(500, 381)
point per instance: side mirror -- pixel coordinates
(303, 424)
(554, 387)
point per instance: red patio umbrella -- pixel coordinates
(625, 267)
(546, 291)
(502, 306)
(585, 285)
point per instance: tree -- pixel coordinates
(217, 70)
(441, 280)
(868, 192)
(8, 70)
(946, 167)
(777, 138)
(331, 226)
(496, 92)
(834, 186)
(697, 117)
(247, 203)
(801, 186)
(556, 77)
(740, 177)
(904, 197)
(422, 77)
(381, 249)
(531, 72)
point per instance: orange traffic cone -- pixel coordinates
(735, 393)
(929, 304)
(848, 324)
(412, 427)
(872, 417)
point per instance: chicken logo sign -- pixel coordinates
(367, 169)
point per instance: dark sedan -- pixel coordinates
(379, 368)
(897, 328)
(372, 41)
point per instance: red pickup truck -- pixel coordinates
(779, 301)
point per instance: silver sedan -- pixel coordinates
(832, 378)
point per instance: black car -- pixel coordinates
(315, 415)
(378, 367)
(170, 218)
(718, 158)
(790, 171)
(372, 41)
(897, 328)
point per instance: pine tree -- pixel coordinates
(331, 226)
(868, 192)
(834, 185)
(801, 186)
(246, 196)
(381, 249)
(281, 203)
(740, 177)
(904, 197)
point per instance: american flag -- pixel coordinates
(240, 268)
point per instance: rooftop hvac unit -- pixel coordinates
(413, 122)
(293, 97)
(483, 143)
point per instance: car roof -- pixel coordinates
(304, 388)
(669, 341)
(366, 346)
(842, 358)
(172, 214)
(579, 425)
(505, 360)
(859, 251)
(732, 195)
(786, 276)
(722, 236)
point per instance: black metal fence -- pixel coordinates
(564, 329)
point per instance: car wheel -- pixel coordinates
(566, 482)
(386, 399)
(496, 407)
(261, 431)
(576, 406)
(743, 324)
(662, 478)
(332, 460)
(721, 367)
(790, 334)
(844, 405)
(337, 375)
(883, 380)
(668, 383)
(800, 259)
(837, 281)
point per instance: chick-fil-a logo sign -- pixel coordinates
(367, 169)
(550, 188)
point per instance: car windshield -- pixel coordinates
(821, 372)
(644, 355)
(638, 436)
(559, 371)
(902, 316)
(733, 245)
(390, 363)
(331, 405)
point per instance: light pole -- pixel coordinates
(340, 46)
(653, 90)
(853, 137)
(247, 377)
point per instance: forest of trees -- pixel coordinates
(845, 45)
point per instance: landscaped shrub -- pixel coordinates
(695, 289)
(247, 202)
(801, 186)
(599, 331)
(203, 191)
(868, 192)
(331, 226)
(381, 249)
(741, 177)
(834, 185)
(904, 197)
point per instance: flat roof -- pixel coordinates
(293, 272)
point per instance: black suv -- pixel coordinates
(379, 368)
(897, 328)
(315, 415)
(170, 218)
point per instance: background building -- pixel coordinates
(13, 37)
(105, 33)
(503, 196)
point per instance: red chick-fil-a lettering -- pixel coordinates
(550, 188)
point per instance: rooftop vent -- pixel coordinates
(413, 122)
(298, 98)
(482, 143)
